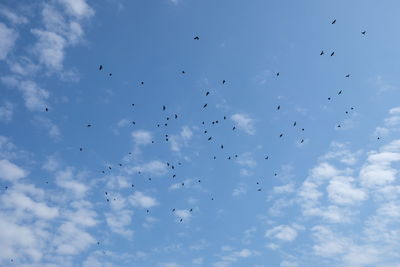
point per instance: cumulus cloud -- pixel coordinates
(141, 137)
(139, 199)
(282, 232)
(11, 172)
(7, 40)
(244, 123)
(154, 167)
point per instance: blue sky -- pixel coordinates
(127, 192)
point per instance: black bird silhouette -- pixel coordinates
(363, 32)
(176, 116)
(80, 149)
(348, 75)
(196, 38)
(329, 98)
(259, 190)
(339, 126)
(322, 52)
(267, 157)
(142, 83)
(302, 141)
(223, 81)
(224, 117)
(332, 53)
(294, 124)
(163, 107)
(110, 74)
(207, 93)
(334, 21)
(233, 128)
(183, 72)
(100, 67)
(340, 92)
(205, 105)
(222, 146)
(278, 108)
(277, 74)
(209, 138)
(280, 135)
(89, 125)
(47, 109)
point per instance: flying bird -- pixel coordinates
(363, 32)
(196, 38)
(47, 109)
(278, 108)
(334, 21)
(100, 67)
(322, 52)
(205, 105)
(163, 107)
(340, 92)
(348, 75)
(207, 93)
(223, 81)
(294, 124)
(332, 53)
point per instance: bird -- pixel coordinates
(363, 32)
(89, 125)
(329, 98)
(142, 83)
(277, 74)
(47, 109)
(302, 141)
(222, 146)
(205, 105)
(334, 21)
(163, 107)
(332, 53)
(223, 81)
(110, 74)
(339, 126)
(196, 38)
(280, 135)
(100, 67)
(80, 149)
(278, 108)
(183, 72)
(322, 52)
(207, 93)
(176, 116)
(267, 157)
(233, 128)
(348, 75)
(209, 138)
(294, 124)
(340, 92)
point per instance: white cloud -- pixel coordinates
(11, 172)
(244, 122)
(6, 112)
(139, 199)
(141, 137)
(50, 48)
(182, 214)
(283, 233)
(341, 191)
(7, 39)
(34, 96)
(177, 141)
(72, 240)
(65, 179)
(11, 16)
(51, 129)
(78, 8)
(288, 188)
(154, 167)
(241, 189)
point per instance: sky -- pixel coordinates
(246, 147)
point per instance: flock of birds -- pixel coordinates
(208, 137)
